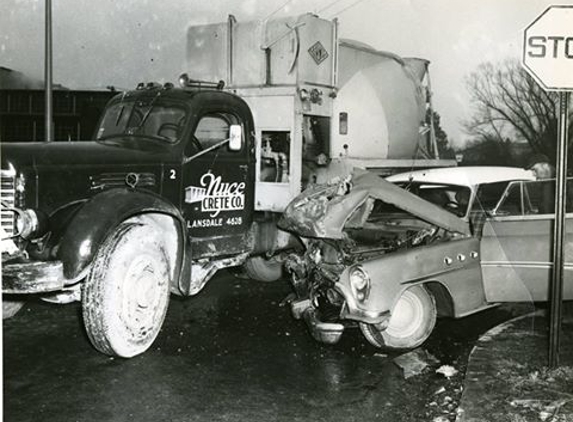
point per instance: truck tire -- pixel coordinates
(10, 308)
(412, 321)
(126, 294)
(262, 269)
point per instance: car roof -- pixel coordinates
(464, 176)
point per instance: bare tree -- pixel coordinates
(509, 104)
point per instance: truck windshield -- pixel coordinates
(150, 119)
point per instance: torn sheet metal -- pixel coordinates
(323, 211)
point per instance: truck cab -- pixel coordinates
(170, 173)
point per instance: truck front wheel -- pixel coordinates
(263, 269)
(126, 294)
(412, 321)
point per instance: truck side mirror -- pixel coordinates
(235, 137)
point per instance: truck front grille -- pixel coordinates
(114, 180)
(8, 197)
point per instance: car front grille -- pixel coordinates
(8, 197)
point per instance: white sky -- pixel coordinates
(122, 42)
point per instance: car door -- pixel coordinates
(517, 245)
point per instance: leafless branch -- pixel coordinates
(509, 104)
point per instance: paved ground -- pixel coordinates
(508, 380)
(232, 353)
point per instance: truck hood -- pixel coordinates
(57, 173)
(78, 153)
(323, 211)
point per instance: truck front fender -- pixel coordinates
(98, 217)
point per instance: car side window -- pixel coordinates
(512, 202)
(541, 194)
(488, 195)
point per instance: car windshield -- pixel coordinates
(453, 198)
(148, 119)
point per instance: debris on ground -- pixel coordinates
(414, 362)
(447, 371)
(507, 380)
(545, 410)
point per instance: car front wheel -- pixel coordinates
(126, 294)
(411, 323)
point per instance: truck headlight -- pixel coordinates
(27, 223)
(360, 283)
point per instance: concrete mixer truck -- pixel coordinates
(181, 182)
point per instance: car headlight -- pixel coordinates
(360, 283)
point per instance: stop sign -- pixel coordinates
(548, 48)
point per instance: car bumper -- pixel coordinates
(360, 312)
(364, 315)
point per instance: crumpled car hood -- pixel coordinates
(323, 211)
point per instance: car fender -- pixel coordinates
(99, 216)
(446, 263)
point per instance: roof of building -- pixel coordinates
(12, 79)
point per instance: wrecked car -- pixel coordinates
(393, 255)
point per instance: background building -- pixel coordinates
(22, 106)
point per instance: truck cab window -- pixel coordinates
(214, 129)
(159, 121)
(211, 130)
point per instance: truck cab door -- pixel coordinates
(517, 245)
(218, 184)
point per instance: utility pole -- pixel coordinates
(48, 73)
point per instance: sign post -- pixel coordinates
(558, 235)
(548, 58)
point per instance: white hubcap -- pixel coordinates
(407, 316)
(141, 294)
